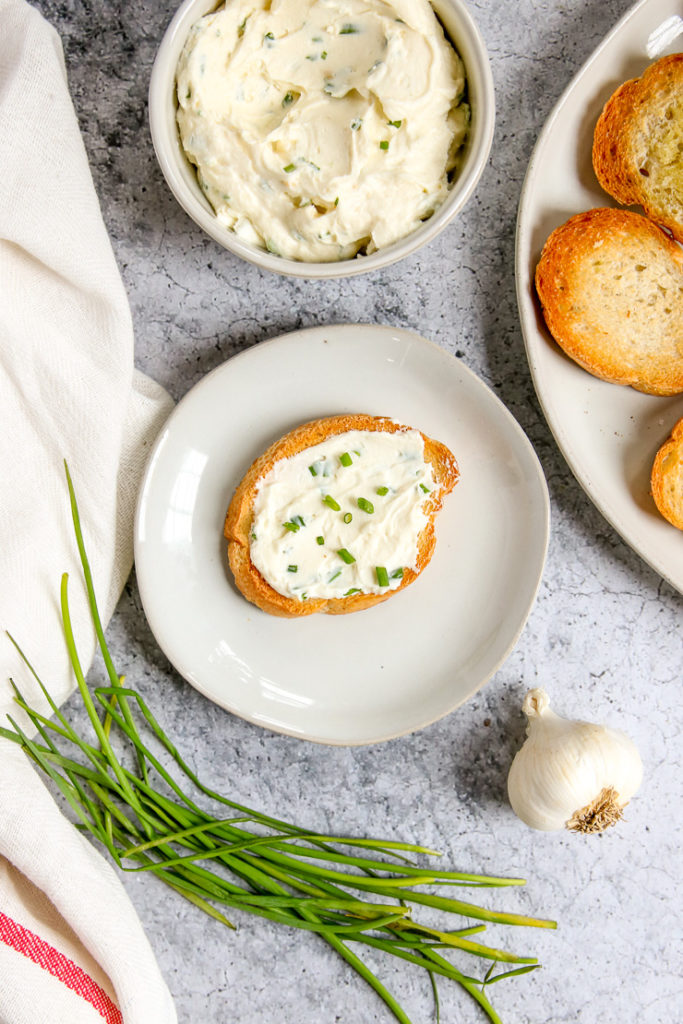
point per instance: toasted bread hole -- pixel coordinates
(640, 267)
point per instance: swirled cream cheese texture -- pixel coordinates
(322, 128)
(305, 547)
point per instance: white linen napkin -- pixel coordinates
(71, 946)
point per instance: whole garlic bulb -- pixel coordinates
(571, 774)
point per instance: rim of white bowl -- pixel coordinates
(180, 175)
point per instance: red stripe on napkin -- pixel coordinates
(59, 966)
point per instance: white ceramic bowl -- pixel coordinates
(182, 180)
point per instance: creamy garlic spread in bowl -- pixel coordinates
(322, 138)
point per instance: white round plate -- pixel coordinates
(608, 434)
(395, 667)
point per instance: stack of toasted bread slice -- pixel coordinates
(610, 281)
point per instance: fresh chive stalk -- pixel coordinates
(346, 556)
(382, 576)
(347, 517)
(345, 459)
(331, 503)
(382, 491)
(353, 892)
(366, 506)
(320, 540)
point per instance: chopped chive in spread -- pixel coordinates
(289, 168)
(395, 124)
(292, 568)
(334, 575)
(366, 506)
(356, 124)
(269, 36)
(345, 459)
(336, 202)
(241, 28)
(346, 556)
(425, 489)
(253, 535)
(304, 596)
(382, 576)
(384, 144)
(382, 490)
(347, 30)
(347, 517)
(353, 590)
(312, 470)
(320, 540)
(289, 98)
(292, 526)
(323, 55)
(299, 519)
(397, 574)
(331, 503)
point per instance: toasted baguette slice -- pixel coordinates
(239, 519)
(667, 477)
(611, 288)
(638, 143)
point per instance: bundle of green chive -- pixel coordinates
(354, 893)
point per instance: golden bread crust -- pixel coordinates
(638, 143)
(608, 144)
(611, 288)
(238, 521)
(667, 477)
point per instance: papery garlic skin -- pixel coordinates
(565, 767)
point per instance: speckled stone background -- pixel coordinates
(603, 636)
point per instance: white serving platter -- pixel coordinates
(608, 434)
